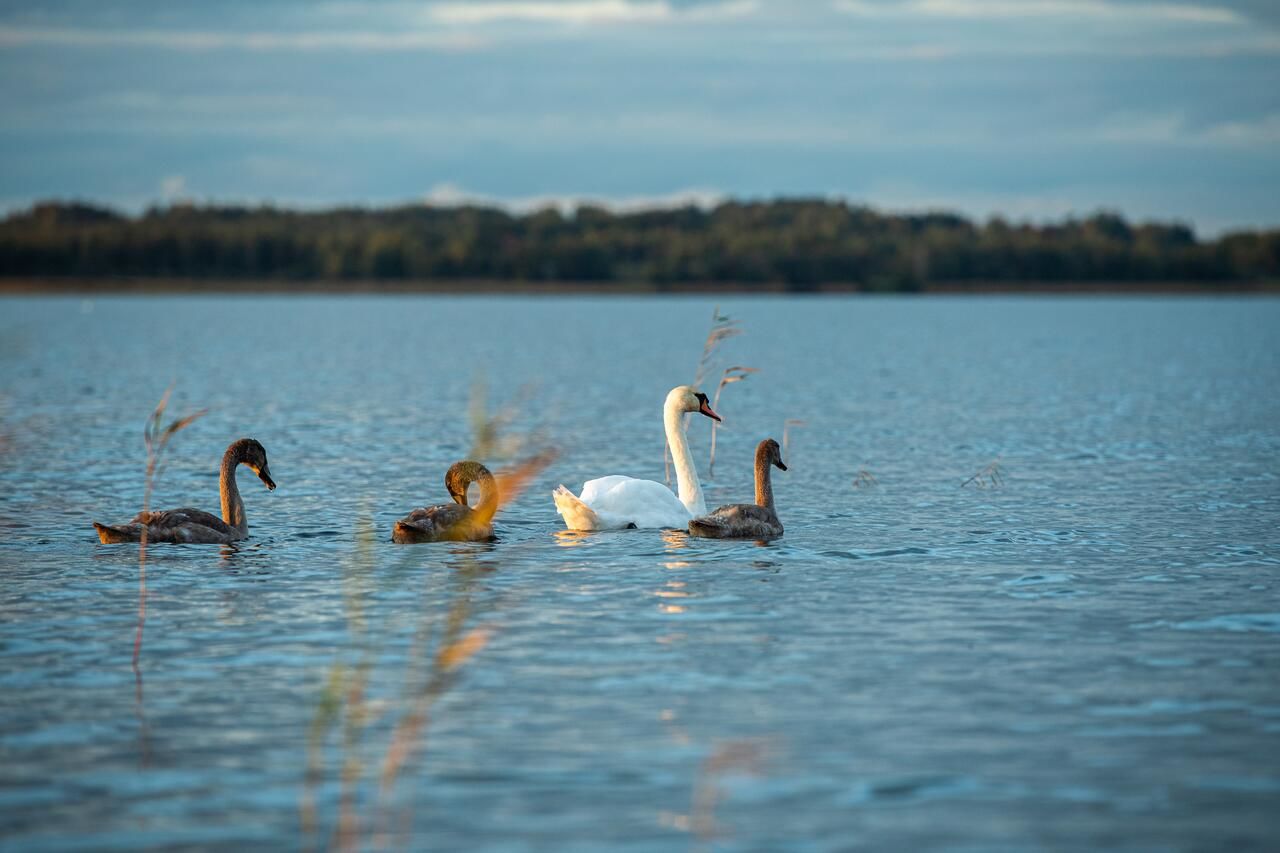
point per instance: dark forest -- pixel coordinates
(800, 244)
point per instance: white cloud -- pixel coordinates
(265, 115)
(1175, 129)
(1009, 9)
(585, 12)
(437, 27)
(1140, 129)
(1264, 131)
(215, 104)
(173, 187)
(202, 40)
(452, 195)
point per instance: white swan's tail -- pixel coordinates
(576, 514)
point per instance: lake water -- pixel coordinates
(1085, 656)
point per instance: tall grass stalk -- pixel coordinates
(723, 327)
(786, 435)
(730, 375)
(492, 437)
(743, 757)
(990, 476)
(156, 435)
(348, 704)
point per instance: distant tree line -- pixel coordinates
(799, 243)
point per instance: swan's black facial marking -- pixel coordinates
(705, 407)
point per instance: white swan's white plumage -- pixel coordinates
(615, 501)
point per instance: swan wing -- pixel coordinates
(644, 503)
(738, 521)
(167, 519)
(171, 525)
(444, 523)
(593, 490)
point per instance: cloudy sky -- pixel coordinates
(1031, 108)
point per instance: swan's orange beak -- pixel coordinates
(705, 408)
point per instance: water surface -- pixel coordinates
(1084, 656)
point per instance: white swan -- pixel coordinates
(613, 502)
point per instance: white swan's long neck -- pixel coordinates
(689, 489)
(232, 506)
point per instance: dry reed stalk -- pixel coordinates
(490, 437)
(864, 479)
(344, 700)
(328, 709)
(514, 479)
(989, 476)
(731, 375)
(156, 435)
(722, 329)
(745, 757)
(456, 647)
(786, 435)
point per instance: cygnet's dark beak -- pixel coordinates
(265, 476)
(780, 464)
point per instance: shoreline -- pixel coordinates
(464, 287)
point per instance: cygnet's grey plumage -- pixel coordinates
(455, 522)
(747, 521)
(195, 525)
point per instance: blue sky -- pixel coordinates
(1030, 108)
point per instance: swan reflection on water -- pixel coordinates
(245, 557)
(572, 538)
(672, 589)
(675, 540)
(467, 552)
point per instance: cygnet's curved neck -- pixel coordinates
(232, 505)
(764, 483)
(689, 489)
(488, 503)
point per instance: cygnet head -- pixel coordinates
(771, 452)
(249, 452)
